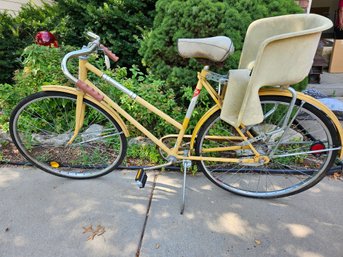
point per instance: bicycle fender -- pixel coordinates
(74, 91)
(314, 102)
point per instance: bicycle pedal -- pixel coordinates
(141, 178)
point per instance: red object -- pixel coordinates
(45, 38)
(317, 147)
(196, 92)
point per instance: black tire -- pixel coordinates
(292, 169)
(43, 123)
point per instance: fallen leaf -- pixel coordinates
(257, 242)
(98, 231)
(337, 176)
(87, 229)
(91, 237)
(157, 246)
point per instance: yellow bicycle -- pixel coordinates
(262, 143)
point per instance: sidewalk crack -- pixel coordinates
(146, 216)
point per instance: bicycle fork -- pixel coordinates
(79, 115)
(80, 106)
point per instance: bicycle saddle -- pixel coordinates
(216, 49)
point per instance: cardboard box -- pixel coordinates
(336, 63)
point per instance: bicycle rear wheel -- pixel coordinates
(43, 123)
(299, 156)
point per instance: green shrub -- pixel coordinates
(9, 45)
(119, 23)
(144, 154)
(150, 89)
(41, 67)
(201, 18)
(302, 85)
(18, 32)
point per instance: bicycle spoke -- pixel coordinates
(97, 149)
(293, 165)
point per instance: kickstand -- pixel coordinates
(186, 164)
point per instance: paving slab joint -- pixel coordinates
(146, 216)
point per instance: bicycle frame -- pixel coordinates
(174, 153)
(116, 111)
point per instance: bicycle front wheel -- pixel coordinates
(43, 123)
(299, 156)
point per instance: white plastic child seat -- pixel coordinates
(277, 51)
(216, 49)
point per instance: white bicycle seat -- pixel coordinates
(216, 49)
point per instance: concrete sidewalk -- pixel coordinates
(331, 84)
(44, 215)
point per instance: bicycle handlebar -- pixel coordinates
(85, 51)
(93, 46)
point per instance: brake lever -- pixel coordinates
(107, 62)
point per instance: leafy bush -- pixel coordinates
(201, 18)
(302, 85)
(8, 48)
(119, 23)
(41, 67)
(143, 154)
(18, 32)
(150, 89)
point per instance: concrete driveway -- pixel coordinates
(44, 215)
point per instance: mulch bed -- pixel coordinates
(9, 154)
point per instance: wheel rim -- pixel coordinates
(286, 173)
(44, 125)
